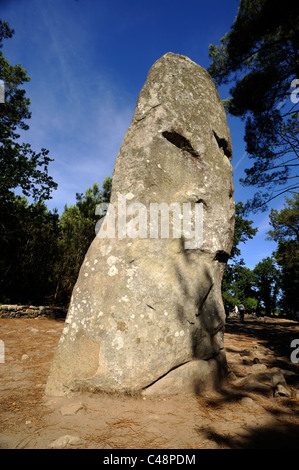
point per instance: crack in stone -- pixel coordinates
(147, 113)
(164, 375)
(214, 356)
(224, 145)
(180, 142)
(150, 307)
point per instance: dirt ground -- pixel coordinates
(244, 414)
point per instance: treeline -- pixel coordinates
(42, 252)
(273, 285)
(258, 59)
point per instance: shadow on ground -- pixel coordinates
(278, 428)
(276, 335)
(265, 438)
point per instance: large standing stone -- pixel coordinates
(147, 313)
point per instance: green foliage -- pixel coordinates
(77, 231)
(251, 304)
(255, 289)
(238, 285)
(286, 233)
(28, 234)
(259, 55)
(287, 257)
(20, 166)
(286, 222)
(243, 230)
(267, 278)
(93, 196)
(237, 281)
(41, 252)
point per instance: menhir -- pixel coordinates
(146, 314)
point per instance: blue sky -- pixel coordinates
(88, 60)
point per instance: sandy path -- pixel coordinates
(244, 414)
